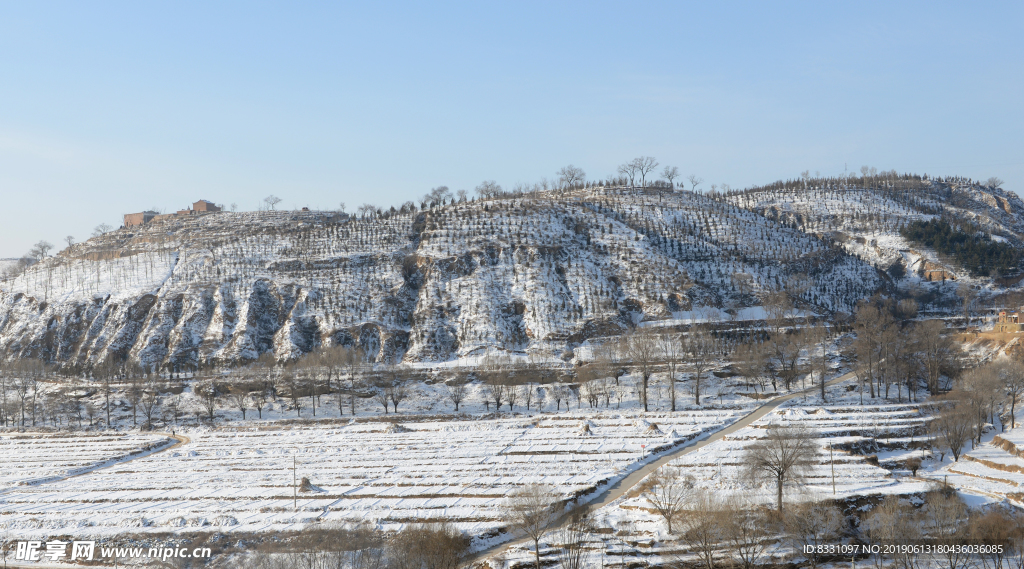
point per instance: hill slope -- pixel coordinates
(864, 215)
(523, 274)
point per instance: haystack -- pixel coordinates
(585, 429)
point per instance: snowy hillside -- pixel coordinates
(537, 274)
(864, 215)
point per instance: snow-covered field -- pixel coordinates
(630, 531)
(34, 458)
(719, 466)
(388, 473)
(993, 470)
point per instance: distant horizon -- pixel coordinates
(123, 107)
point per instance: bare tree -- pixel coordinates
(208, 394)
(983, 391)
(968, 296)
(512, 394)
(874, 329)
(259, 397)
(272, 201)
(437, 195)
(70, 240)
(134, 394)
(703, 528)
(101, 229)
(935, 351)
(434, 546)
(495, 392)
(629, 171)
(290, 381)
(398, 391)
(953, 428)
(670, 173)
(672, 350)
(644, 166)
(820, 335)
(668, 491)
(812, 525)
(994, 182)
(750, 363)
(783, 456)
(239, 398)
(746, 530)
(945, 519)
(382, 395)
(40, 250)
(1012, 376)
(700, 350)
(694, 182)
(455, 392)
(892, 524)
(150, 400)
(643, 351)
(527, 510)
(570, 176)
(367, 209)
(488, 189)
(572, 539)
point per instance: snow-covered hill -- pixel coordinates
(864, 215)
(537, 274)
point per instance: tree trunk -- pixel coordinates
(778, 495)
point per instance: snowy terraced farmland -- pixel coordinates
(380, 472)
(720, 464)
(36, 458)
(994, 469)
(638, 536)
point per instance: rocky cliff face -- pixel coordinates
(521, 274)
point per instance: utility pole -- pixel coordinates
(295, 488)
(831, 459)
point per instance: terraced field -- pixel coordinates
(380, 472)
(994, 469)
(36, 458)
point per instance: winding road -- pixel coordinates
(631, 480)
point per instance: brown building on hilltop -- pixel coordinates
(133, 219)
(201, 206)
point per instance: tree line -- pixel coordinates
(975, 251)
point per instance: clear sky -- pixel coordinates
(108, 108)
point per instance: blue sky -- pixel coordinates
(107, 108)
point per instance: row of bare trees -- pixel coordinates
(895, 352)
(982, 396)
(417, 546)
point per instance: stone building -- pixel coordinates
(133, 219)
(205, 206)
(201, 206)
(1010, 322)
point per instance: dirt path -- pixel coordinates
(631, 480)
